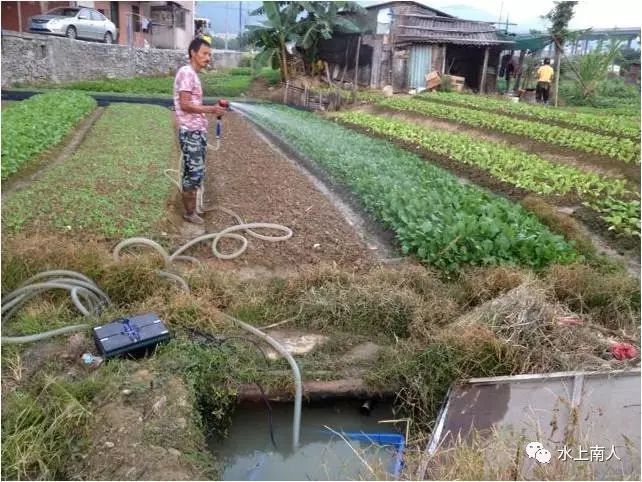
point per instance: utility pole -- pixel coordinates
(240, 28)
(226, 33)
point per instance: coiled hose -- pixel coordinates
(87, 297)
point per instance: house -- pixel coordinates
(403, 41)
(15, 15)
(165, 25)
(168, 25)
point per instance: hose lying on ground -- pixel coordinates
(87, 297)
(215, 237)
(90, 300)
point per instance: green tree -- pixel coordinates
(594, 67)
(321, 20)
(559, 16)
(279, 29)
(302, 24)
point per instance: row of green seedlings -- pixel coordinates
(230, 83)
(616, 126)
(121, 158)
(623, 149)
(434, 216)
(39, 123)
(618, 205)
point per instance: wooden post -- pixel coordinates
(558, 63)
(356, 71)
(482, 81)
(285, 95)
(327, 73)
(345, 63)
(518, 77)
(19, 5)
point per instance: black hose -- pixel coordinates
(218, 342)
(269, 407)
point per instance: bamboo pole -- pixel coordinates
(356, 71)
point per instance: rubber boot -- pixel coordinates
(199, 201)
(189, 201)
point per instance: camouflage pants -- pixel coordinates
(193, 146)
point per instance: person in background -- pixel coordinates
(192, 124)
(544, 78)
(510, 72)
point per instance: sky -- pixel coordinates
(588, 13)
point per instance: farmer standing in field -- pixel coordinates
(192, 123)
(544, 78)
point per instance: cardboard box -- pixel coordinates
(458, 83)
(433, 80)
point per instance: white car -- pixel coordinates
(75, 22)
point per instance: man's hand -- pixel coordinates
(217, 110)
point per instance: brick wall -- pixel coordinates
(32, 59)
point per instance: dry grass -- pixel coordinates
(495, 455)
(560, 223)
(529, 323)
(433, 336)
(611, 299)
(478, 285)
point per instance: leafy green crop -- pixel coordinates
(623, 149)
(516, 167)
(134, 85)
(444, 222)
(616, 126)
(112, 186)
(39, 123)
(228, 84)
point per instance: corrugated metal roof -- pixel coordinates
(426, 29)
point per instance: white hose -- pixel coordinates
(298, 385)
(85, 294)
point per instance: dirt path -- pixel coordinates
(558, 155)
(253, 179)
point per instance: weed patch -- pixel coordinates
(45, 426)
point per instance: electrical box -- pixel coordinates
(130, 335)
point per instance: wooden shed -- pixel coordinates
(403, 41)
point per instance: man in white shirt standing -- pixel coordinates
(192, 124)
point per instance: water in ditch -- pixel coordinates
(364, 450)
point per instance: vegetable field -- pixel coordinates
(503, 139)
(39, 123)
(443, 222)
(613, 125)
(578, 139)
